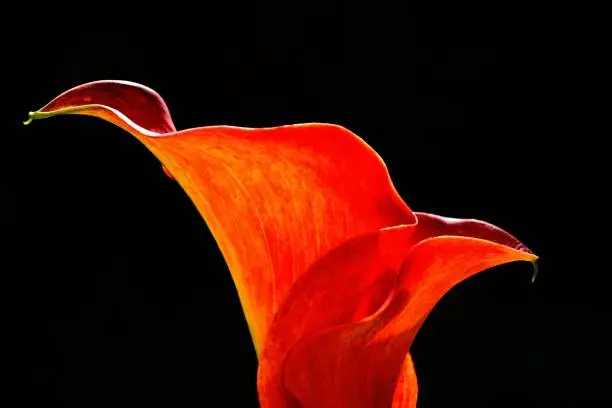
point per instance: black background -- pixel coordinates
(116, 293)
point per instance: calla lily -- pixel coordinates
(335, 273)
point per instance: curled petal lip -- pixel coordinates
(139, 104)
(304, 214)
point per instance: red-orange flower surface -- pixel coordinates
(335, 273)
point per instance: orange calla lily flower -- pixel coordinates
(335, 273)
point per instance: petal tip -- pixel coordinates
(30, 118)
(536, 269)
(39, 114)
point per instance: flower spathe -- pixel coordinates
(335, 273)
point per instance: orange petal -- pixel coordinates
(358, 364)
(322, 297)
(275, 199)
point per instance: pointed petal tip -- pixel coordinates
(536, 269)
(533, 259)
(40, 114)
(30, 118)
